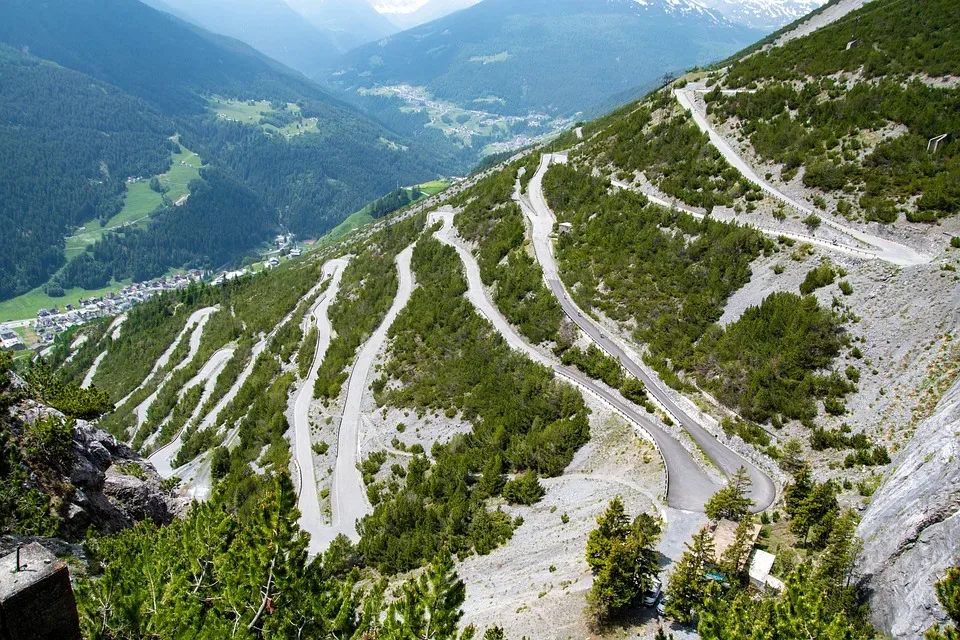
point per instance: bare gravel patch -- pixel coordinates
(535, 584)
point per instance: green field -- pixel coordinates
(139, 203)
(360, 218)
(252, 111)
(184, 170)
(25, 306)
(434, 187)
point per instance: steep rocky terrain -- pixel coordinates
(911, 528)
(94, 482)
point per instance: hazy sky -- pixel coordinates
(397, 6)
(400, 7)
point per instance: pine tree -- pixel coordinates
(813, 517)
(612, 526)
(731, 502)
(798, 491)
(624, 559)
(688, 584)
(734, 561)
(948, 593)
(494, 633)
(429, 606)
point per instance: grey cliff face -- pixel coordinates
(912, 528)
(112, 487)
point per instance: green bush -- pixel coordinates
(818, 278)
(524, 489)
(49, 440)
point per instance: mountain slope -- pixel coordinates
(352, 22)
(270, 26)
(767, 15)
(517, 57)
(310, 159)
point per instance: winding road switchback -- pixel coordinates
(348, 496)
(764, 491)
(882, 249)
(308, 501)
(689, 487)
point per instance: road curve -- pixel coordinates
(689, 487)
(763, 491)
(767, 231)
(348, 496)
(88, 379)
(196, 333)
(886, 250)
(197, 317)
(196, 473)
(163, 457)
(308, 502)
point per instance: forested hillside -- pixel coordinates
(514, 58)
(849, 112)
(71, 149)
(70, 143)
(684, 310)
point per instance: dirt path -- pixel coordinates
(88, 379)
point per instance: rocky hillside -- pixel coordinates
(911, 528)
(63, 477)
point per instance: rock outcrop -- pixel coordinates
(911, 530)
(105, 485)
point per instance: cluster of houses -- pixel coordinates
(50, 322)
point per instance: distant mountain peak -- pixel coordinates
(762, 14)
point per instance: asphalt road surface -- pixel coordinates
(887, 250)
(309, 502)
(689, 486)
(763, 492)
(348, 495)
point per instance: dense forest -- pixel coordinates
(128, 79)
(222, 219)
(70, 142)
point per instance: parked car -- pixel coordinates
(662, 605)
(653, 593)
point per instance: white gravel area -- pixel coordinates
(535, 585)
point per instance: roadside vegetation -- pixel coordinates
(444, 357)
(367, 288)
(853, 105)
(661, 141)
(495, 224)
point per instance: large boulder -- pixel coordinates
(911, 530)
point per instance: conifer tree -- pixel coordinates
(948, 593)
(731, 502)
(689, 584)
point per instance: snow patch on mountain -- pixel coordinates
(762, 14)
